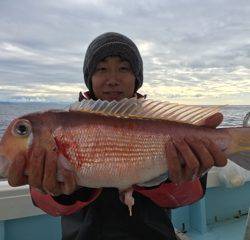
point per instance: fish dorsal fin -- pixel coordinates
(147, 109)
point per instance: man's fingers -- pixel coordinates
(50, 183)
(214, 120)
(36, 167)
(173, 162)
(220, 159)
(203, 155)
(69, 185)
(16, 175)
(191, 166)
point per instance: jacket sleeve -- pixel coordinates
(64, 204)
(171, 195)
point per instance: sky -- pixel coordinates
(194, 52)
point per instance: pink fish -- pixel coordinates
(118, 144)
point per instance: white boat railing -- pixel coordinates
(16, 202)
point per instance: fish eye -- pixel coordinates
(21, 128)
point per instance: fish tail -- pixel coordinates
(240, 146)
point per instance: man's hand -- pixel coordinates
(40, 171)
(190, 157)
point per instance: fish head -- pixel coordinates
(15, 141)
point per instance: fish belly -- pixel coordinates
(106, 156)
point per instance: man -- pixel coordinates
(113, 70)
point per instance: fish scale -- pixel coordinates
(122, 153)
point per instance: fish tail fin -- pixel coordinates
(240, 146)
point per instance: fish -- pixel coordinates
(119, 144)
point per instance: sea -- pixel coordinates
(12, 110)
(233, 115)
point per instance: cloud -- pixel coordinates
(193, 51)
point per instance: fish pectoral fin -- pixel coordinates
(63, 164)
(242, 159)
(155, 181)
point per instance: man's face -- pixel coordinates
(113, 79)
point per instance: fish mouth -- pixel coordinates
(4, 166)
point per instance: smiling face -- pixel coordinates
(113, 79)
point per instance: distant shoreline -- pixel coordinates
(36, 102)
(67, 103)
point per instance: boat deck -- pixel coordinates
(220, 215)
(229, 230)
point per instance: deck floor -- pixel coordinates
(229, 230)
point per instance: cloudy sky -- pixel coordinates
(194, 51)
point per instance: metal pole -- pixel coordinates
(247, 232)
